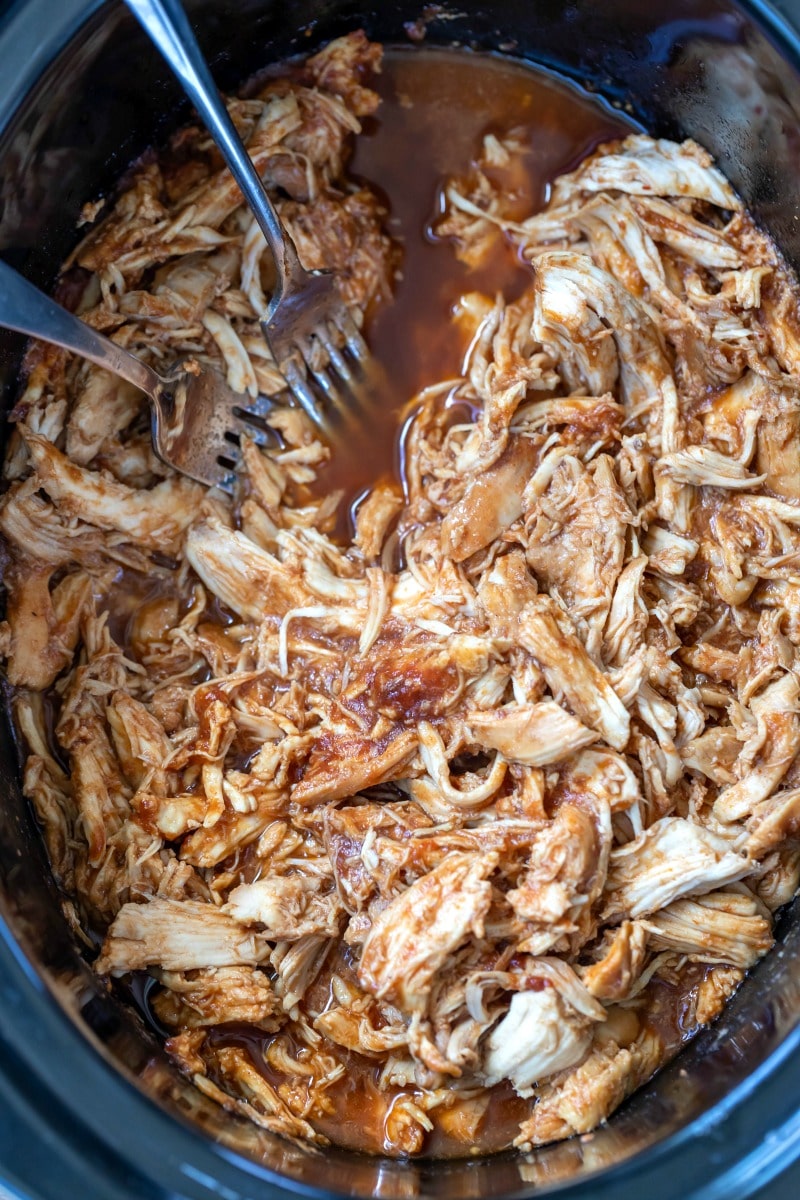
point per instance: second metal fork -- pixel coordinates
(311, 332)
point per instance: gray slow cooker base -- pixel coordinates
(106, 1114)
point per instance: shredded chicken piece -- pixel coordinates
(570, 672)
(720, 928)
(412, 938)
(564, 874)
(578, 1099)
(624, 953)
(460, 796)
(178, 936)
(492, 501)
(287, 908)
(640, 166)
(533, 735)
(538, 1036)
(768, 753)
(672, 858)
(213, 996)
(155, 518)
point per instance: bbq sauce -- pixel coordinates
(436, 106)
(358, 1109)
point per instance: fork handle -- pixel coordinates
(27, 310)
(166, 24)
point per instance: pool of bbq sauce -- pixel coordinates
(360, 1108)
(436, 106)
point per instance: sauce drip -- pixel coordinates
(437, 104)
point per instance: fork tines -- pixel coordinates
(245, 419)
(327, 371)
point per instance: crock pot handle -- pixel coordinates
(166, 24)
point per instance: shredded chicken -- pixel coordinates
(465, 798)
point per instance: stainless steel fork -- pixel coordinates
(198, 420)
(312, 334)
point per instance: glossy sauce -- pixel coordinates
(359, 1116)
(437, 105)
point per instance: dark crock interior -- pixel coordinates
(85, 1069)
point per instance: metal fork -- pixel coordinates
(308, 327)
(197, 418)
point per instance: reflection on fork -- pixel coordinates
(311, 332)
